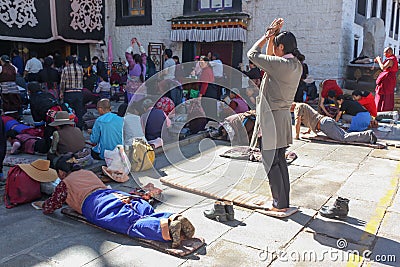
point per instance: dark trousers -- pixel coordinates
(75, 101)
(3, 145)
(95, 155)
(278, 175)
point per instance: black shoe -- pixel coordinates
(230, 213)
(373, 139)
(340, 209)
(217, 213)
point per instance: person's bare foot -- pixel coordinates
(278, 210)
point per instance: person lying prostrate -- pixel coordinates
(112, 209)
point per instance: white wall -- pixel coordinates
(158, 32)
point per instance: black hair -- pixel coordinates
(216, 55)
(72, 60)
(63, 164)
(95, 58)
(34, 87)
(341, 97)
(33, 54)
(176, 58)
(15, 52)
(138, 60)
(204, 58)
(331, 93)
(122, 109)
(168, 52)
(360, 93)
(288, 40)
(11, 134)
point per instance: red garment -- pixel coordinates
(368, 102)
(57, 199)
(206, 76)
(165, 104)
(385, 84)
(329, 85)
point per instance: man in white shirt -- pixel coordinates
(32, 68)
(169, 65)
(218, 70)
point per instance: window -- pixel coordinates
(374, 7)
(135, 8)
(214, 4)
(392, 19)
(383, 11)
(133, 12)
(361, 7)
(355, 48)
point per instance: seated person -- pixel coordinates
(12, 124)
(153, 120)
(132, 124)
(112, 209)
(24, 142)
(68, 139)
(303, 113)
(165, 103)
(107, 130)
(324, 105)
(237, 103)
(103, 88)
(353, 112)
(367, 100)
(251, 94)
(40, 102)
(254, 74)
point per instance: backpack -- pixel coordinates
(20, 188)
(141, 155)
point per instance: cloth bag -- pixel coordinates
(141, 155)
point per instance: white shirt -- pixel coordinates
(218, 68)
(169, 67)
(132, 129)
(33, 65)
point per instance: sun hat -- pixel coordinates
(5, 58)
(61, 118)
(39, 170)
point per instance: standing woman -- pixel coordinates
(278, 87)
(71, 87)
(49, 77)
(136, 71)
(208, 90)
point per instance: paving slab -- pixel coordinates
(395, 203)
(390, 153)
(262, 231)
(312, 192)
(209, 229)
(350, 154)
(352, 228)
(225, 253)
(390, 225)
(386, 252)
(333, 171)
(174, 200)
(310, 249)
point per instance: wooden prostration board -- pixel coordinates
(187, 247)
(323, 138)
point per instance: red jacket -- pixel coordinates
(206, 76)
(368, 102)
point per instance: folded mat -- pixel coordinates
(252, 154)
(187, 247)
(323, 138)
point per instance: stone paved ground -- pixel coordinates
(368, 177)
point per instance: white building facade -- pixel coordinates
(329, 32)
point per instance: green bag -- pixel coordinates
(194, 93)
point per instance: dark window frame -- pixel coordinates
(374, 8)
(214, 8)
(121, 20)
(359, 17)
(383, 11)
(392, 18)
(191, 7)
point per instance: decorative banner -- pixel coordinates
(210, 29)
(40, 21)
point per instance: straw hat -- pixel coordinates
(61, 118)
(39, 170)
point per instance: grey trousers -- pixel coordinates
(330, 128)
(278, 175)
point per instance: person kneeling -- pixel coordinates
(112, 209)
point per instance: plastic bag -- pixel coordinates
(117, 160)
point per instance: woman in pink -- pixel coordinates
(237, 103)
(386, 81)
(136, 71)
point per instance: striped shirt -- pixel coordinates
(71, 78)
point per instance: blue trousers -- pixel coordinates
(360, 122)
(113, 210)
